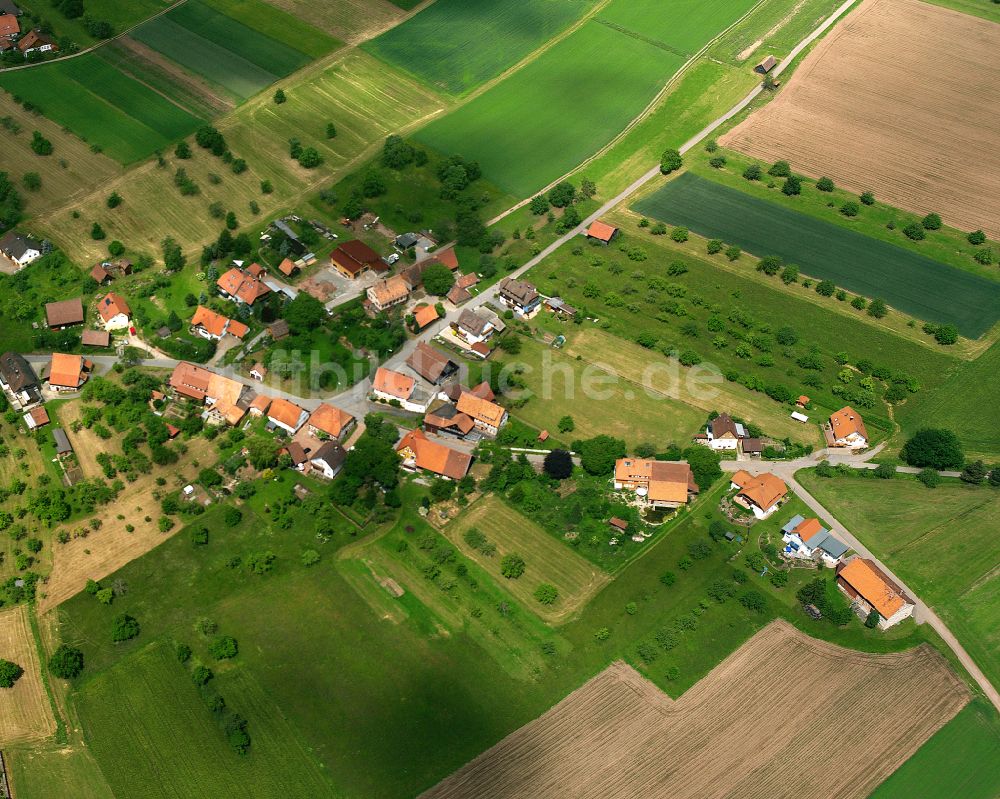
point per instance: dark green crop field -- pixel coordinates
(908, 281)
(455, 45)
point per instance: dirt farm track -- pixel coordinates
(900, 99)
(749, 729)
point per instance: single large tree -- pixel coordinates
(598, 454)
(558, 464)
(10, 673)
(934, 447)
(438, 279)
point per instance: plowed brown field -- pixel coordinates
(900, 100)
(25, 713)
(783, 716)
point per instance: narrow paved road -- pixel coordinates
(923, 614)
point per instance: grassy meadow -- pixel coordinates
(236, 56)
(912, 283)
(941, 541)
(557, 110)
(683, 26)
(417, 676)
(454, 45)
(959, 404)
(879, 221)
(961, 759)
(110, 110)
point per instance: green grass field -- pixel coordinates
(455, 45)
(221, 49)
(947, 245)
(550, 115)
(120, 15)
(683, 26)
(910, 282)
(413, 686)
(961, 759)
(978, 8)
(110, 110)
(958, 405)
(265, 18)
(149, 747)
(941, 541)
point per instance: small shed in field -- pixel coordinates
(766, 65)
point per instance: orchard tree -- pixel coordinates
(512, 566)
(598, 454)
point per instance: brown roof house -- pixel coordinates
(872, 589)
(245, 286)
(328, 460)
(36, 41)
(64, 313)
(847, 429)
(354, 257)
(68, 372)
(602, 232)
(761, 494)
(519, 295)
(431, 364)
(459, 292)
(288, 267)
(446, 419)
(473, 328)
(114, 311)
(100, 275)
(388, 293)
(329, 420)
(278, 329)
(390, 386)
(287, 415)
(419, 452)
(766, 65)
(659, 484)
(213, 326)
(18, 379)
(226, 400)
(487, 415)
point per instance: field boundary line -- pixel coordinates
(643, 115)
(60, 733)
(101, 43)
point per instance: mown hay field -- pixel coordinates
(941, 541)
(67, 174)
(961, 759)
(25, 713)
(122, 116)
(365, 100)
(546, 559)
(276, 21)
(906, 280)
(876, 107)
(738, 732)
(455, 45)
